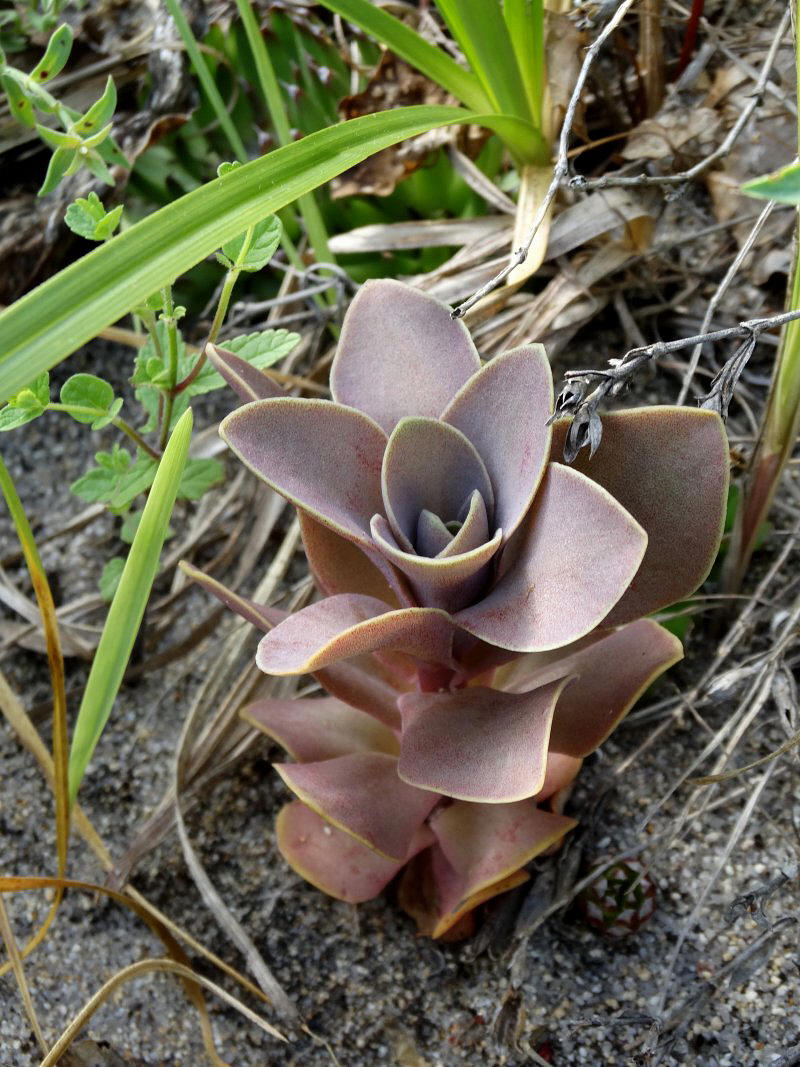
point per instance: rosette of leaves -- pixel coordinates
(620, 900)
(481, 628)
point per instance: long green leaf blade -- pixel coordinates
(404, 42)
(273, 99)
(480, 30)
(127, 607)
(73, 306)
(525, 22)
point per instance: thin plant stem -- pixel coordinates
(136, 437)
(205, 78)
(120, 424)
(222, 306)
(172, 364)
(219, 315)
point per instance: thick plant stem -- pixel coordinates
(780, 424)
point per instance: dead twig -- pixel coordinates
(561, 168)
(576, 400)
(640, 181)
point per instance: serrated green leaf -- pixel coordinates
(18, 103)
(263, 349)
(96, 486)
(198, 477)
(40, 387)
(28, 404)
(88, 218)
(55, 57)
(108, 484)
(109, 579)
(129, 527)
(127, 608)
(118, 459)
(11, 418)
(782, 185)
(135, 480)
(149, 373)
(106, 226)
(60, 162)
(100, 113)
(110, 415)
(88, 391)
(265, 239)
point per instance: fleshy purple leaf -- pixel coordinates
(610, 675)
(323, 457)
(447, 582)
(261, 616)
(430, 466)
(332, 860)
(400, 353)
(560, 772)
(669, 468)
(504, 410)
(366, 684)
(579, 553)
(339, 627)
(248, 382)
(480, 845)
(339, 566)
(477, 744)
(362, 795)
(319, 729)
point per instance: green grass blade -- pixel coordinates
(205, 78)
(73, 306)
(424, 57)
(782, 185)
(480, 30)
(525, 23)
(273, 98)
(127, 607)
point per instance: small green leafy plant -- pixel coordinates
(83, 140)
(166, 376)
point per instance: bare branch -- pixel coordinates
(584, 390)
(640, 181)
(561, 168)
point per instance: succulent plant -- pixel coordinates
(482, 627)
(620, 900)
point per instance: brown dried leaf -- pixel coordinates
(396, 84)
(668, 132)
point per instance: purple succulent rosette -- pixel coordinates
(482, 626)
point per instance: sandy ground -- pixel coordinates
(360, 977)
